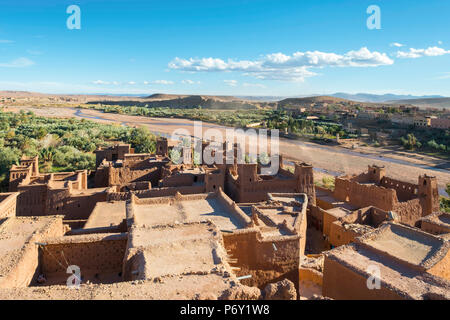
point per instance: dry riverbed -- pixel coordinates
(328, 158)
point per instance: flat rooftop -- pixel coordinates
(107, 214)
(407, 282)
(194, 248)
(408, 244)
(169, 210)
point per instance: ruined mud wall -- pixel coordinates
(369, 216)
(178, 180)
(101, 178)
(340, 236)
(409, 212)
(215, 181)
(32, 200)
(257, 191)
(315, 217)
(121, 176)
(260, 259)
(92, 253)
(361, 195)
(25, 267)
(405, 191)
(166, 192)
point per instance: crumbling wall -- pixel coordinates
(405, 191)
(178, 180)
(121, 176)
(261, 259)
(361, 195)
(409, 212)
(25, 266)
(99, 253)
(32, 200)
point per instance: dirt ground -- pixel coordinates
(334, 159)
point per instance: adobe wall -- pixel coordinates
(256, 191)
(214, 181)
(339, 236)
(26, 265)
(361, 195)
(315, 217)
(342, 283)
(121, 176)
(428, 194)
(178, 180)
(442, 268)
(370, 216)
(434, 228)
(258, 258)
(101, 178)
(92, 253)
(405, 191)
(409, 212)
(328, 219)
(166, 192)
(18, 175)
(8, 205)
(32, 200)
(309, 276)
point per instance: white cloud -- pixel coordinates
(17, 63)
(440, 42)
(163, 82)
(418, 53)
(6, 41)
(396, 44)
(146, 82)
(115, 83)
(131, 83)
(190, 82)
(231, 83)
(278, 66)
(100, 82)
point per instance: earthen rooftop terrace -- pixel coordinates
(150, 221)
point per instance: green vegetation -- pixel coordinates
(326, 182)
(445, 202)
(284, 121)
(62, 144)
(431, 141)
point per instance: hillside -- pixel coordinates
(426, 103)
(308, 101)
(388, 97)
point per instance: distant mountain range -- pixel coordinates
(238, 102)
(388, 97)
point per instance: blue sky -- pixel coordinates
(230, 47)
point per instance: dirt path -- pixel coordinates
(329, 159)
